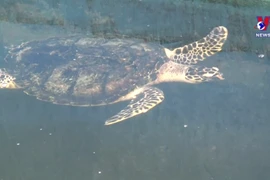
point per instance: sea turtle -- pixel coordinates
(83, 71)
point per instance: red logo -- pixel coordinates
(262, 23)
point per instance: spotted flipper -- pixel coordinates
(7, 81)
(146, 100)
(203, 74)
(199, 50)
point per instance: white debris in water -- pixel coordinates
(40, 129)
(50, 134)
(18, 144)
(185, 125)
(94, 152)
(261, 56)
(99, 172)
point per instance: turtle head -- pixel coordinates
(7, 81)
(198, 74)
(174, 72)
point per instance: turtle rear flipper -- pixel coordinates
(199, 50)
(146, 100)
(7, 81)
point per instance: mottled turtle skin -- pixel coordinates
(82, 71)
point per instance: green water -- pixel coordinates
(211, 131)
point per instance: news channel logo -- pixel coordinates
(261, 26)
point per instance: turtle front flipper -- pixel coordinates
(7, 81)
(146, 100)
(199, 50)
